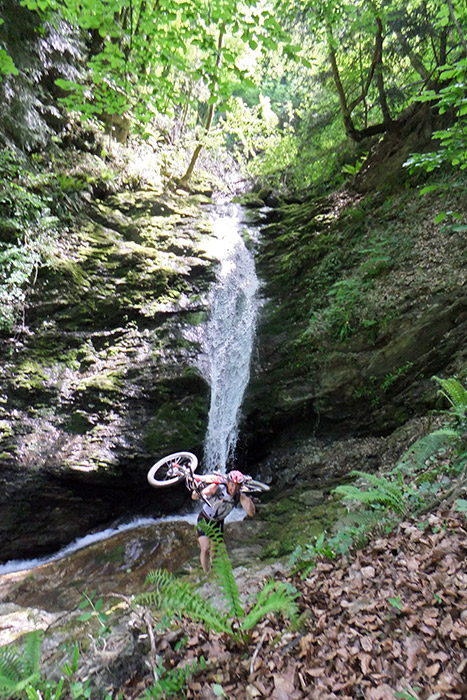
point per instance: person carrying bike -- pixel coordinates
(223, 498)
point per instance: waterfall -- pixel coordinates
(228, 337)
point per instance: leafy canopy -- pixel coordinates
(147, 57)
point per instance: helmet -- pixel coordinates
(236, 477)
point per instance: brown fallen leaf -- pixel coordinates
(382, 692)
(315, 672)
(433, 670)
(284, 688)
(368, 572)
(365, 662)
(446, 625)
(413, 647)
(367, 643)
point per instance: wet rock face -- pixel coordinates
(364, 303)
(101, 380)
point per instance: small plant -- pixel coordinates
(96, 607)
(353, 535)
(170, 682)
(19, 669)
(428, 468)
(456, 395)
(384, 492)
(27, 231)
(461, 505)
(392, 377)
(21, 678)
(396, 603)
(177, 598)
(354, 169)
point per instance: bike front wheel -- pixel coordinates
(172, 469)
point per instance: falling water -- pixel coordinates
(228, 337)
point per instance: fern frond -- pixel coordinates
(381, 483)
(174, 596)
(455, 393)
(171, 682)
(385, 492)
(32, 652)
(20, 669)
(223, 568)
(422, 449)
(275, 597)
(11, 668)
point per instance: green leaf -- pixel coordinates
(461, 505)
(429, 188)
(85, 617)
(441, 216)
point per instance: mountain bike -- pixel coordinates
(180, 466)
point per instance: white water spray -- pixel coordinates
(228, 338)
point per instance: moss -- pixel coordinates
(290, 522)
(114, 554)
(79, 422)
(178, 424)
(109, 381)
(31, 375)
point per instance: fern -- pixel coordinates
(20, 669)
(223, 569)
(274, 597)
(455, 393)
(32, 653)
(424, 448)
(175, 596)
(384, 492)
(171, 682)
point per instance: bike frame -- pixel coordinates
(199, 481)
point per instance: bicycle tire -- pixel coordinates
(162, 469)
(253, 486)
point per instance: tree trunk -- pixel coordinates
(189, 171)
(347, 109)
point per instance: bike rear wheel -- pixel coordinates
(167, 472)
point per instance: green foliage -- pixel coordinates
(96, 609)
(7, 67)
(21, 677)
(396, 603)
(456, 395)
(177, 598)
(223, 568)
(152, 59)
(430, 467)
(428, 445)
(275, 597)
(461, 505)
(19, 669)
(27, 232)
(171, 682)
(384, 492)
(354, 534)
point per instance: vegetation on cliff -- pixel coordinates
(348, 120)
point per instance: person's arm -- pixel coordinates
(210, 490)
(247, 505)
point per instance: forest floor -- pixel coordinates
(389, 622)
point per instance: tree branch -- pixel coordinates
(457, 26)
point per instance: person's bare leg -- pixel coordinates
(205, 554)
